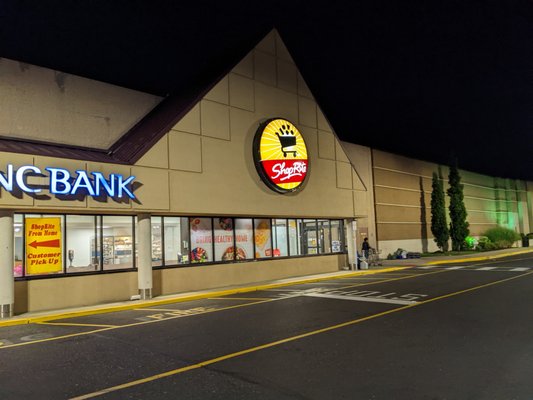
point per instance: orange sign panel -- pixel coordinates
(43, 246)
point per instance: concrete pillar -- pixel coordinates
(7, 281)
(351, 241)
(144, 264)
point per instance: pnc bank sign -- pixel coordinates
(63, 182)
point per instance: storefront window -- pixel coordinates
(279, 234)
(224, 241)
(176, 239)
(263, 242)
(157, 241)
(324, 237)
(55, 244)
(44, 244)
(336, 236)
(18, 229)
(295, 240)
(310, 237)
(82, 242)
(244, 234)
(201, 240)
(117, 242)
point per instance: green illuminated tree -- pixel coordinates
(458, 224)
(439, 226)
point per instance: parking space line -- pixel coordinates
(520, 269)
(76, 324)
(143, 322)
(210, 311)
(285, 340)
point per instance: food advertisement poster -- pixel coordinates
(263, 243)
(201, 240)
(224, 239)
(244, 235)
(43, 246)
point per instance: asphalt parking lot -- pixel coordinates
(427, 332)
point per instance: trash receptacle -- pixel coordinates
(525, 241)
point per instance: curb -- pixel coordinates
(482, 258)
(179, 299)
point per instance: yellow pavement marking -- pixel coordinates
(283, 341)
(189, 315)
(170, 317)
(76, 324)
(149, 303)
(237, 298)
(156, 309)
(480, 258)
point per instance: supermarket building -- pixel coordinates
(106, 192)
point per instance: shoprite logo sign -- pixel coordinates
(66, 183)
(280, 155)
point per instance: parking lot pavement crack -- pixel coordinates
(264, 383)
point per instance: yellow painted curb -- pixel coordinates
(152, 303)
(482, 258)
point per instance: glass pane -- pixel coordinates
(117, 242)
(18, 230)
(295, 242)
(201, 240)
(244, 238)
(157, 241)
(81, 241)
(44, 243)
(224, 239)
(280, 238)
(324, 238)
(176, 240)
(263, 243)
(310, 239)
(336, 236)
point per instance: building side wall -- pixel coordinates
(402, 188)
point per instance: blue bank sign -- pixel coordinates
(64, 182)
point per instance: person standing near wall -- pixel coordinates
(366, 248)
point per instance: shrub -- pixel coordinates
(502, 237)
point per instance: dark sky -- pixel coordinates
(428, 79)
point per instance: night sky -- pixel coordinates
(428, 79)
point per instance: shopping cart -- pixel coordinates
(373, 257)
(288, 144)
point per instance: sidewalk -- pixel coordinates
(488, 255)
(386, 266)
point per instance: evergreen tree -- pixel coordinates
(439, 227)
(458, 224)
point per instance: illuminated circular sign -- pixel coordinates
(280, 155)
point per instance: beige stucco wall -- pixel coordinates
(363, 183)
(73, 291)
(402, 189)
(172, 280)
(41, 104)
